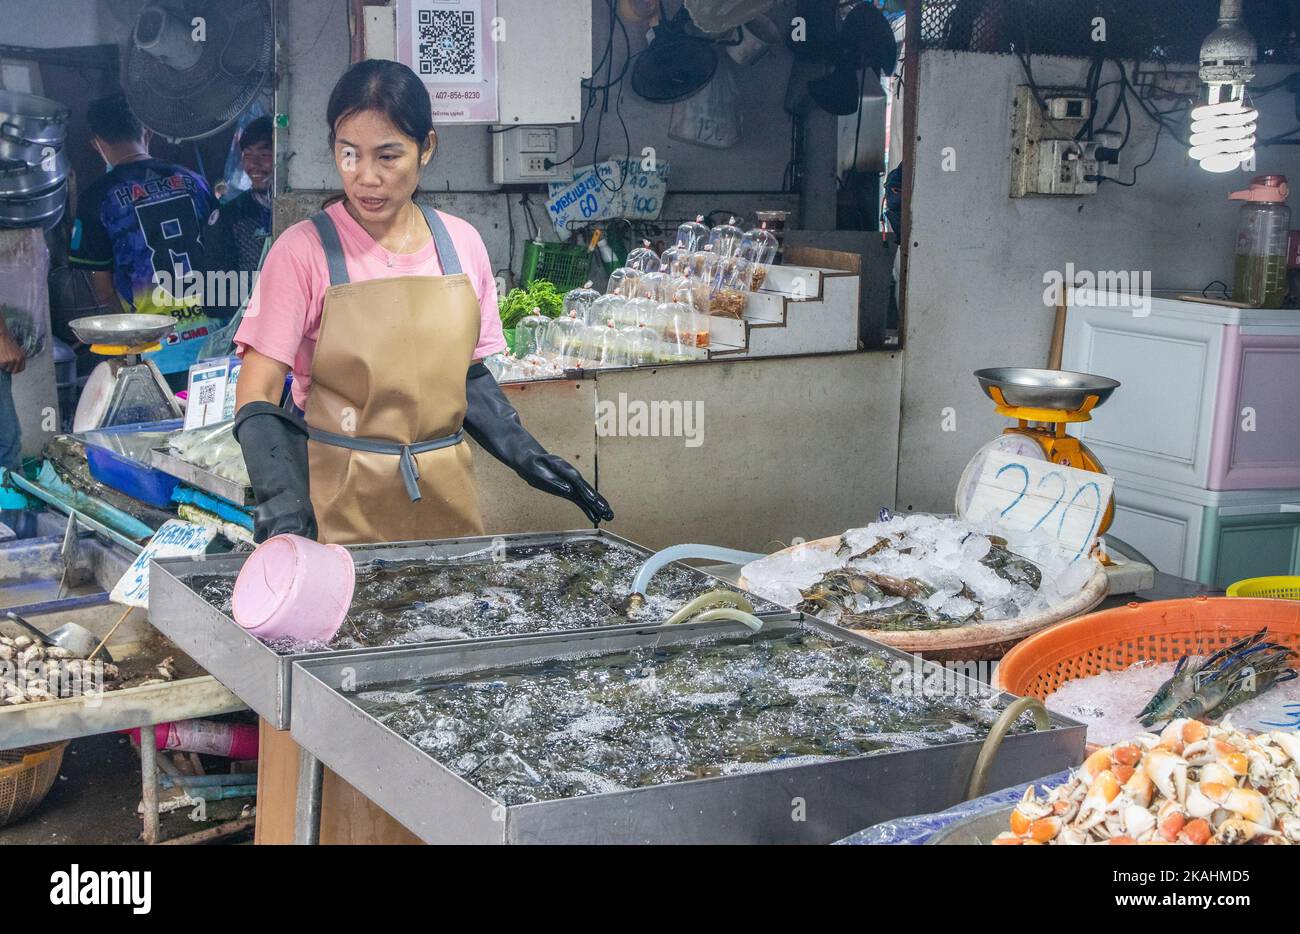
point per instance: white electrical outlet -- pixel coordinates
(1046, 157)
(527, 155)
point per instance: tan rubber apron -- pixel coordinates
(387, 464)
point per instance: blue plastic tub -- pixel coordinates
(118, 458)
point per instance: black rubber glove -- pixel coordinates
(274, 442)
(492, 421)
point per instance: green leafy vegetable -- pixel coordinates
(519, 303)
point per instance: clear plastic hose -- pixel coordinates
(710, 600)
(731, 613)
(677, 552)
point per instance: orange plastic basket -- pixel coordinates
(1162, 631)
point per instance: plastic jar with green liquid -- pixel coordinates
(1259, 263)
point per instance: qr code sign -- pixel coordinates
(446, 42)
(208, 393)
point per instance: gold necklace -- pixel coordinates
(410, 226)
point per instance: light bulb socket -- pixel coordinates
(1228, 53)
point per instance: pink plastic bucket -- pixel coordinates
(292, 587)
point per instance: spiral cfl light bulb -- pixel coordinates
(1223, 127)
(1223, 135)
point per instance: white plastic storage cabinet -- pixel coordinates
(1210, 395)
(1212, 537)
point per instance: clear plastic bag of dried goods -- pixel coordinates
(24, 299)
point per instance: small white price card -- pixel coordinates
(174, 539)
(1023, 494)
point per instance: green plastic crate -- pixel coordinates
(565, 264)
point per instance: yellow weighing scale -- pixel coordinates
(1042, 402)
(125, 389)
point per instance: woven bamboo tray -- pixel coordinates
(26, 776)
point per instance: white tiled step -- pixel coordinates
(801, 283)
(826, 326)
(729, 332)
(765, 306)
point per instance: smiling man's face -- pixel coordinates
(258, 161)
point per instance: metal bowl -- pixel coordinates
(1045, 389)
(130, 330)
(979, 829)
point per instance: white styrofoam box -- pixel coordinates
(543, 60)
(1161, 422)
(1169, 522)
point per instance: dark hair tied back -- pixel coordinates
(388, 87)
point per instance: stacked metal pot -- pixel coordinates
(33, 161)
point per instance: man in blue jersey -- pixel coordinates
(141, 230)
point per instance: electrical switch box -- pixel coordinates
(1047, 158)
(527, 155)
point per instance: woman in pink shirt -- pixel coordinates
(383, 309)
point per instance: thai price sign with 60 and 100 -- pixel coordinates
(617, 187)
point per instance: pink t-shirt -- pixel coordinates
(282, 320)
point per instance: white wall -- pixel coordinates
(975, 286)
(47, 24)
(317, 45)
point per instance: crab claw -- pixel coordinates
(1170, 820)
(1103, 790)
(1289, 741)
(1246, 803)
(1027, 811)
(1097, 763)
(1171, 737)
(1138, 787)
(1239, 830)
(1195, 832)
(1138, 820)
(1198, 804)
(1168, 771)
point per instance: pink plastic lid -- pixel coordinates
(1264, 188)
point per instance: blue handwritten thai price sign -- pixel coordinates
(173, 539)
(1023, 494)
(618, 187)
